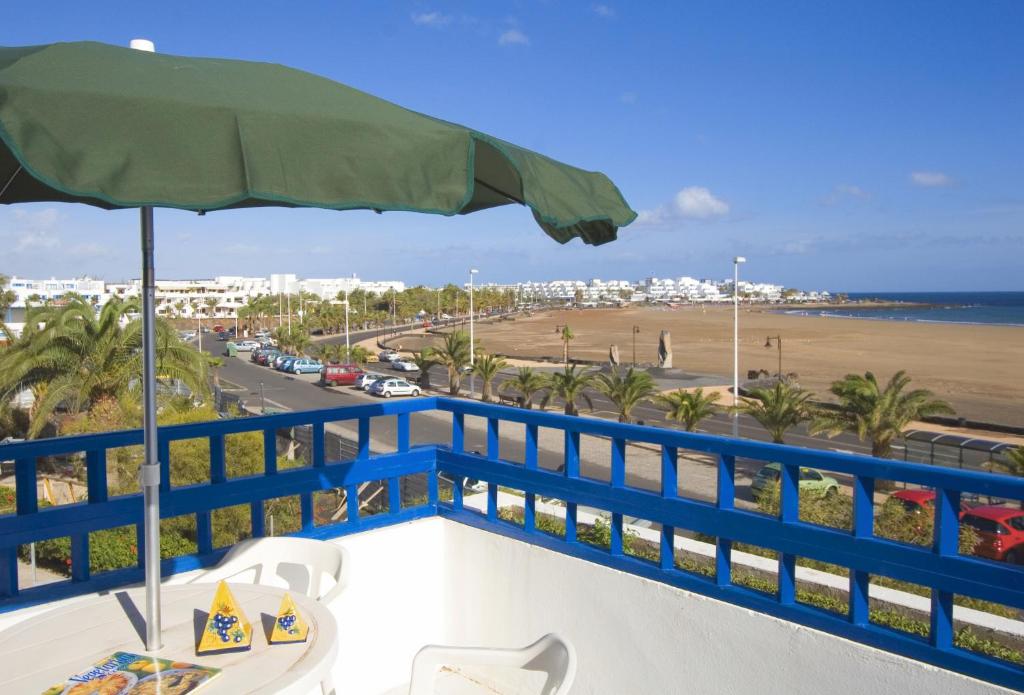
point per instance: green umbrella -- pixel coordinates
(117, 128)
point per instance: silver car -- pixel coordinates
(393, 387)
(364, 381)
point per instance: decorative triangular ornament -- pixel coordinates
(288, 625)
(227, 628)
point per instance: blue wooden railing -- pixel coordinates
(939, 568)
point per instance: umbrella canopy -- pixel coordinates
(116, 128)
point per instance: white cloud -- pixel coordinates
(844, 191)
(692, 202)
(430, 19)
(34, 230)
(604, 11)
(930, 179)
(511, 37)
(697, 202)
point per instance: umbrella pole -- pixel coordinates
(150, 471)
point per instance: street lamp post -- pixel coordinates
(348, 346)
(472, 344)
(778, 342)
(636, 329)
(199, 326)
(736, 342)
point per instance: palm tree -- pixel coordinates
(211, 306)
(569, 385)
(300, 341)
(283, 338)
(215, 363)
(73, 358)
(778, 408)
(7, 297)
(359, 355)
(487, 367)
(567, 335)
(689, 407)
(875, 413)
(527, 382)
(424, 359)
(626, 390)
(454, 354)
(332, 353)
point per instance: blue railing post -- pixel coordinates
(863, 527)
(789, 513)
(458, 432)
(669, 490)
(493, 454)
(403, 432)
(352, 500)
(726, 500)
(572, 471)
(363, 443)
(618, 480)
(26, 496)
(270, 451)
(946, 544)
(96, 475)
(530, 464)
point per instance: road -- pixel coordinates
(291, 392)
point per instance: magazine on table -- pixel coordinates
(124, 673)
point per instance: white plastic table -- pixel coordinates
(45, 650)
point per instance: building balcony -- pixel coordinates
(658, 591)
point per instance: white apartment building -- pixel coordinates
(54, 289)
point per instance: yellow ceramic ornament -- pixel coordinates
(227, 628)
(288, 625)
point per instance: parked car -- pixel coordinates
(218, 328)
(223, 336)
(246, 345)
(393, 387)
(285, 364)
(265, 356)
(810, 481)
(920, 501)
(188, 335)
(340, 374)
(363, 382)
(1000, 532)
(276, 362)
(404, 365)
(387, 355)
(305, 365)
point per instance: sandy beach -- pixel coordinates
(978, 369)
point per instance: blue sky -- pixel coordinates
(848, 146)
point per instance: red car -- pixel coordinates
(922, 500)
(1001, 532)
(340, 374)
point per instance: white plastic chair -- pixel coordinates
(551, 654)
(296, 563)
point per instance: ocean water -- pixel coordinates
(996, 308)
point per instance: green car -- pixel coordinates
(810, 481)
